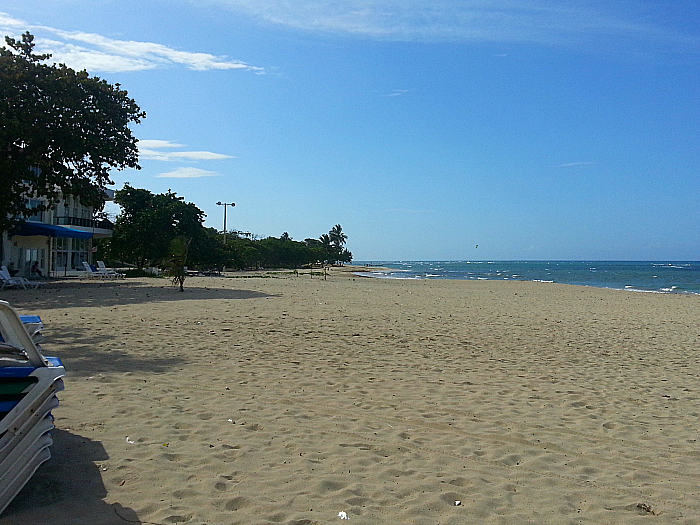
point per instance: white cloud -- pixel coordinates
(541, 21)
(150, 150)
(97, 53)
(397, 92)
(574, 164)
(155, 143)
(152, 154)
(187, 173)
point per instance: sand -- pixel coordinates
(289, 399)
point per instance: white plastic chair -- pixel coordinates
(24, 424)
(90, 273)
(103, 269)
(20, 282)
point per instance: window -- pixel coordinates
(39, 215)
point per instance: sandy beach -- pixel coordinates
(276, 398)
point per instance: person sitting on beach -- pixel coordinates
(35, 269)
(11, 269)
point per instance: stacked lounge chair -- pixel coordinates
(28, 386)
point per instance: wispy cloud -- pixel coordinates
(574, 164)
(98, 53)
(187, 173)
(152, 150)
(397, 92)
(407, 210)
(540, 21)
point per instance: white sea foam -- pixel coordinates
(633, 289)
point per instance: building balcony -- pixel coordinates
(99, 227)
(103, 224)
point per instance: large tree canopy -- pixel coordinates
(61, 132)
(148, 224)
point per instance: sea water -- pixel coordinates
(641, 276)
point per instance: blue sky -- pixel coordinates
(533, 129)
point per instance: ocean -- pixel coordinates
(639, 276)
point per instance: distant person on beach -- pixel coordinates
(11, 269)
(35, 269)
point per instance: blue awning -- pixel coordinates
(49, 230)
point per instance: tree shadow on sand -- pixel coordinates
(65, 294)
(81, 353)
(68, 488)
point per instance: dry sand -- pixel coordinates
(289, 399)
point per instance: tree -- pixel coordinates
(333, 243)
(61, 133)
(338, 238)
(149, 222)
(327, 244)
(177, 262)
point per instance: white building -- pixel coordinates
(59, 240)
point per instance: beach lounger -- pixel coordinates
(103, 269)
(33, 325)
(18, 282)
(24, 471)
(28, 386)
(93, 272)
(6, 281)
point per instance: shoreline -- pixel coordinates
(290, 399)
(645, 277)
(625, 289)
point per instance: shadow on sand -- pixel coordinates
(68, 489)
(86, 356)
(70, 293)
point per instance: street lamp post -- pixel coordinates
(225, 204)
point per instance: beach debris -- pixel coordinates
(343, 516)
(128, 440)
(458, 503)
(645, 508)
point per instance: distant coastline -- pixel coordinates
(680, 277)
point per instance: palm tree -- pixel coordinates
(337, 236)
(327, 247)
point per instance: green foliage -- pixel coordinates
(177, 260)
(333, 244)
(149, 222)
(62, 131)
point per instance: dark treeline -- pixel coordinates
(148, 223)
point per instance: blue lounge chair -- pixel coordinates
(28, 386)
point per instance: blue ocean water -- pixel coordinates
(641, 276)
